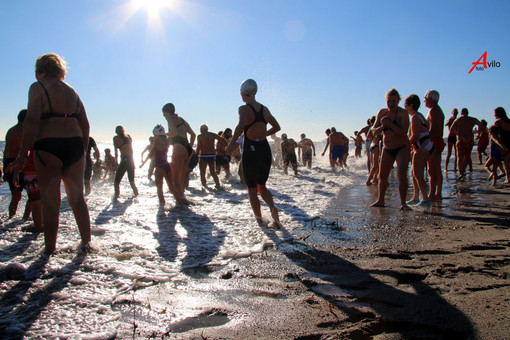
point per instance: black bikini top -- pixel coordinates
(51, 114)
(259, 117)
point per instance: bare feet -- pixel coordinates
(377, 204)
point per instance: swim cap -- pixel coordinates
(169, 107)
(249, 87)
(158, 130)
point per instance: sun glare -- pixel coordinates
(152, 7)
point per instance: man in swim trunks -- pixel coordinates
(393, 123)
(452, 140)
(207, 154)
(289, 154)
(124, 144)
(463, 128)
(338, 146)
(11, 150)
(435, 119)
(256, 156)
(306, 147)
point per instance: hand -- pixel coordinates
(16, 167)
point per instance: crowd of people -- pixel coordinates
(51, 144)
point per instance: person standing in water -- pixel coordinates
(124, 144)
(256, 157)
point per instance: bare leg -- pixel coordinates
(385, 167)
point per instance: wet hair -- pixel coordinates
(21, 115)
(204, 128)
(51, 64)
(328, 132)
(433, 95)
(413, 101)
(249, 87)
(169, 107)
(464, 112)
(484, 122)
(227, 131)
(494, 130)
(393, 92)
(500, 113)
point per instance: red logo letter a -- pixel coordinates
(484, 63)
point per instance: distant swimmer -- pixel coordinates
(435, 119)
(393, 122)
(289, 154)
(463, 128)
(452, 140)
(306, 151)
(178, 131)
(207, 154)
(123, 145)
(256, 152)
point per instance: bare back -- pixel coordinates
(435, 118)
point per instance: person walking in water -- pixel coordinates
(124, 144)
(256, 158)
(57, 127)
(178, 130)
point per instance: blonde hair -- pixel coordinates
(51, 64)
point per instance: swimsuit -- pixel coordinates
(464, 146)
(193, 161)
(496, 152)
(394, 152)
(68, 149)
(452, 139)
(207, 158)
(424, 142)
(438, 143)
(182, 141)
(256, 158)
(223, 160)
(337, 152)
(307, 156)
(161, 161)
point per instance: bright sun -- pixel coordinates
(153, 7)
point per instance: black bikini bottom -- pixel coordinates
(68, 149)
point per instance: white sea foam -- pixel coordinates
(138, 244)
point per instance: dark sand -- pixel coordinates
(437, 273)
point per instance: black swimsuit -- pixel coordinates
(256, 158)
(393, 152)
(182, 140)
(68, 149)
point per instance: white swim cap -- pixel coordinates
(249, 87)
(158, 130)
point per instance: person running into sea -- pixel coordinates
(289, 154)
(306, 151)
(162, 169)
(419, 137)
(452, 141)
(57, 127)
(222, 157)
(463, 128)
(148, 148)
(13, 139)
(393, 123)
(256, 155)
(178, 130)
(123, 144)
(435, 120)
(207, 154)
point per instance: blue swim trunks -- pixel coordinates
(337, 152)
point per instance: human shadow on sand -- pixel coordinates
(415, 310)
(114, 209)
(20, 309)
(202, 240)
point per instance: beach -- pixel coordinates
(337, 269)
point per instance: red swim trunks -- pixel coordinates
(464, 147)
(438, 143)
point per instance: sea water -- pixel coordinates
(138, 243)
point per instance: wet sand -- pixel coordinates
(436, 273)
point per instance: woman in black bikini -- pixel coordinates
(178, 130)
(56, 120)
(393, 122)
(256, 157)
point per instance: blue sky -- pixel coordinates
(318, 63)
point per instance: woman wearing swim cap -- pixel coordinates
(256, 157)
